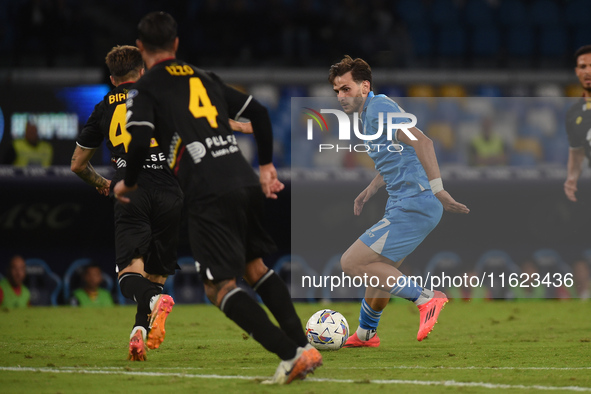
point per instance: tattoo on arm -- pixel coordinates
(82, 167)
(90, 176)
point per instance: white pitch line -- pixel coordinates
(470, 368)
(447, 383)
(439, 367)
(453, 383)
(134, 373)
(385, 367)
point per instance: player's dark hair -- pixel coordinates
(124, 62)
(157, 31)
(585, 49)
(360, 70)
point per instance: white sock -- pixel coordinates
(135, 329)
(365, 335)
(426, 295)
(153, 301)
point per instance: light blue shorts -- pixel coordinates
(406, 223)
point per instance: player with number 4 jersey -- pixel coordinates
(188, 111)
(146, 232)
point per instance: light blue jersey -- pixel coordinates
(412, 211)
(402, 171)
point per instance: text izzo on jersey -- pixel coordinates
(177, 70)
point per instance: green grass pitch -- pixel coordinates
(477, 347)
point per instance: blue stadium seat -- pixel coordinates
(544, 13)
(73, 278)
(444, 141)
(446, 262)
(478, 13)
(519, 90)
(42, 282)
(293, 265)
(522, 159)
(549, 262)
(289, 91)
(451, 41)
(394, 92)
(411, 11)
(185, 286)
(520, 41)
(485, 41)
(6, 19)
(578, 13)
(555, 149)
(333, 268)
(496, 262)
(488, 91)
(512, 13)
(581, 36)
(422, 108)
(422, 40)
(444, 13)
(553, 41)
(448, 109)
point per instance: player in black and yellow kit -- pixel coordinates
(578, 124)
(146, 232)
(187, 110)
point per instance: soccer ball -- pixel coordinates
(327, 330)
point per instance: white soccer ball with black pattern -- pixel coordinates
(327, 330)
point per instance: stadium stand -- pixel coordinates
(494, 262)
(300, 34)
(73, 278)
(289, 266)
(186, 286)
(42, 282)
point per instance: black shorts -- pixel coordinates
(228, 232)
(148, 227)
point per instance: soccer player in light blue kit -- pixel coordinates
(407, 166)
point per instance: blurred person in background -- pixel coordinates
(91, 294)
(31, 151)
(13, 293)
(487, 148)
(578, 124)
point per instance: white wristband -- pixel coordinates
(436, 185)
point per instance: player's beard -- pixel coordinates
(351, 104)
